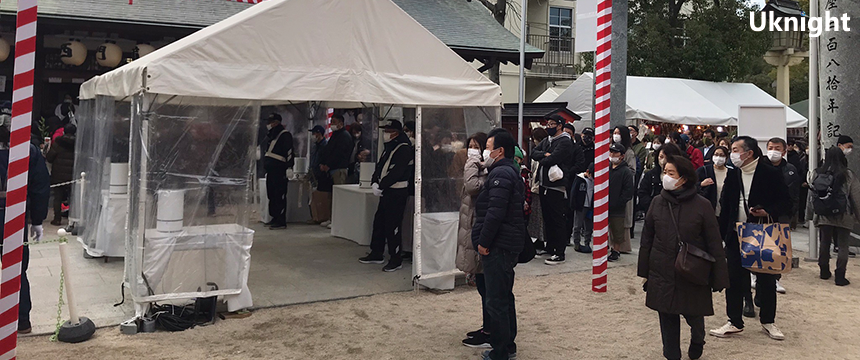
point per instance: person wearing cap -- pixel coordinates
(557, 150)
(38, 194)
(62, 159)
(588, 144)
(620, 192)
(846, 144)
(277, 162)
(321, 181)
(394, 173)
(335, 160)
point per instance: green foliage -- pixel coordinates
(711, 42)
(43, 128)
(587, 63)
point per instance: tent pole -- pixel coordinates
(522, 88)
(416, 232)
(813, 122)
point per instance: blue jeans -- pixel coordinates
(499, 300)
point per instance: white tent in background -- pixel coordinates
(550, 94)
(679, 101)
(201, 96)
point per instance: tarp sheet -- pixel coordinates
(347, 51)
(679, 101)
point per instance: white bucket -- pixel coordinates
(170, 211)
(301, 165)
(119, 178)
(366, 175)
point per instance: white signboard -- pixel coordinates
(585, 39)
(762, 123)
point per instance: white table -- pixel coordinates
(298, 198)
(352, 212)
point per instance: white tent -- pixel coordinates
(311, 50)
(679, 101)
(210, 86)
(550, 94)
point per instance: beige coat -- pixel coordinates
(474, 175)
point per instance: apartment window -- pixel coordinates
(560, 29)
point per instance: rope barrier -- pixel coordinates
(66, 183)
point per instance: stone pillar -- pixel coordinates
(618, 102)
(839, 78)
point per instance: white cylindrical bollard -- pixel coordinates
(67, 279)
(118, 178)
(170, 211)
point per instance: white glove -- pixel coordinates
(37, 231)
(376, 191)
(258, 154)
(290, 173)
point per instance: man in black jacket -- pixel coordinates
(757, 193)
(557, 150)
(776, 151)
(499, 235)
(38, 192)
(621, 189)
(394, 173)
(335, 159)
(278, 160)
(708, 138)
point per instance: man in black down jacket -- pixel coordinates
(557, 149)
(62, 159)
(757, 193)
(499, 235)
(335, 159)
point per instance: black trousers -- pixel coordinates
(739, 288)
(833, 234)
(386, 223)
(557, 220)
(276, 190)
(61, 193)
(670, 329)
(499, 277)
(481, 284)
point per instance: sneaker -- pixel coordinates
(749, 310)
(56, 222)
(554, 260)
(25, 331)
(325, 223)
(486, 355)
(585, 249)
(752, 281)
(614, 255)
(391, 266)
(726, 330)
(773, 332)
(540, 252)
(779, 288)
(372, 259)
(476, 333)
(278, 226)
(312, 222)
(480, 341)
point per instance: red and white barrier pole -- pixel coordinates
(16, 186)
(603, 61)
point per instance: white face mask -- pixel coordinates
(615, 159)
(719, 160)
(669, 183)
(616, 138)
(486, 154)
(668, 140)
(269, 127)
(774, 155)
(847, 151)
(657, 146)
(736, 159)
(388, 137)
(474, 153)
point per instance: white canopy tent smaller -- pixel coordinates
(679, 101)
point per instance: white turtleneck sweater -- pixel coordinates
(747, 173)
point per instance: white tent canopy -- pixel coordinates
(679, 101)
(308, 50)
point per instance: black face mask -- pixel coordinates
(551, 131)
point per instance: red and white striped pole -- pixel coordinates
(16, 186)
(603, 61)
(328, 113)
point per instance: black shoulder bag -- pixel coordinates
(692, 263)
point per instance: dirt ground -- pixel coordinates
(559, 318)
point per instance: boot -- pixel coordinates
(749, 310)
(695, 351)
(825, 272)
(840, 278)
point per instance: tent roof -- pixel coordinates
(549, 95)
(679, 101)
(278, 51)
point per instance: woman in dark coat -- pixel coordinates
(652, 182)
(667, 292)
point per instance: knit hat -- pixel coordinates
(518, 153)
(844, 139)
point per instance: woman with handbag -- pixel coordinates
(681, 271)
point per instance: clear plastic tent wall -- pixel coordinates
(99, 200)
(190, 197)
(441, 153)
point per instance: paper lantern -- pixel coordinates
(109, 54)
(4, 49)
(73, 52)
(141, 50)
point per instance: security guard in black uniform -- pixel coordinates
(391, 180)
(277, 162)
